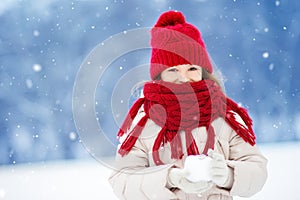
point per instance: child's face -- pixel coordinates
(182, 73)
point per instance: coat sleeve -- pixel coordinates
(133, 178)
(249, 167)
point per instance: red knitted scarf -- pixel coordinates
(183, 107)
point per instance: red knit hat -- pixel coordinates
(175, 42)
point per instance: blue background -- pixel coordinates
(43, 43)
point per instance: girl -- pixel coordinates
(183, 117)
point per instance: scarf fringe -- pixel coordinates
(247, 132)
(157, 144)
(210, 142)
(130, 116)
(133, 136)
(191, 145)
(176, 147)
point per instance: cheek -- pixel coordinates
(168, 76)
(196, 76)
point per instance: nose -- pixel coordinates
(182, 77)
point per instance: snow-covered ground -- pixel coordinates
(87, 179)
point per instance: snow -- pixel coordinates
(87, 179)
(283, 172)
(55, 180)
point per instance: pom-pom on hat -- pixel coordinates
(176, 42)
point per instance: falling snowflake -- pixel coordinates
(72, 136)
(36, 33)
(37, 67)
(265, 55)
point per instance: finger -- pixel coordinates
(185, 182)
(178, 171)
(176, 174)
(184, 173)
(218, 164)
(217, 174)
(217, 156)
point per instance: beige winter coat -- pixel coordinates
(136, 177)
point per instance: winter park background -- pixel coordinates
(255, 44)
